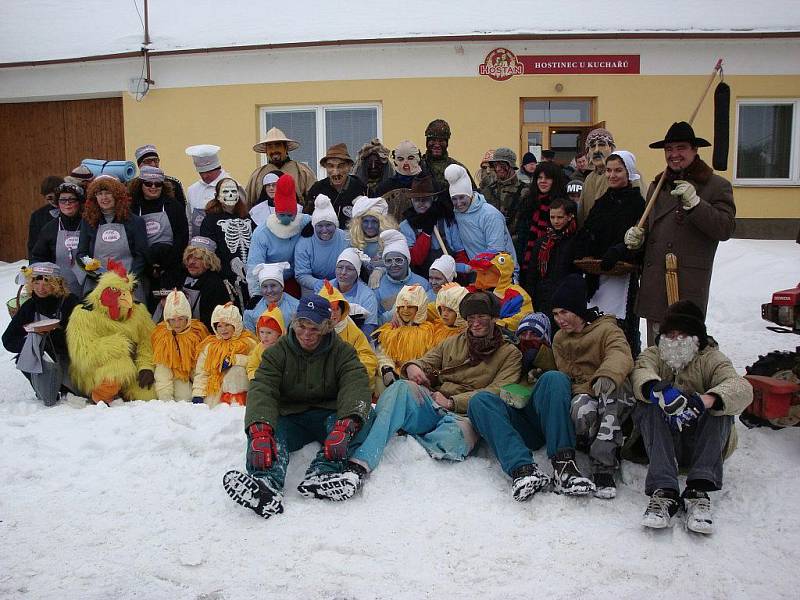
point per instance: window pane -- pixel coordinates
(298, 125)
(765, 141)
(569, 111)
(557, 111)
(352, 126)
(536, 111)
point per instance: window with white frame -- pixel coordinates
(767, 142)
(318, 127)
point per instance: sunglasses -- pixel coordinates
(67, 200)
(155, 184)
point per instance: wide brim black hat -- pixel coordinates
(681, 132)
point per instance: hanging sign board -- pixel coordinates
(502, 64)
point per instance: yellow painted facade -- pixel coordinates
(482, 114)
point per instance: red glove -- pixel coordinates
(338, 439)
(262, 449)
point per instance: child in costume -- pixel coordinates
(176, 344)
(269, 327)
(449, 321)
(348, 330)
(108, 338)
(221, 372)
(412, 339)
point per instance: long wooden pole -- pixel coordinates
(652, 200)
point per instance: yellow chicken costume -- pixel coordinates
(175, 352)
(450, 296)
(221, 373)
(397, 345)
(349, 331)
(494, 271)
(108, 339)
(273, 313)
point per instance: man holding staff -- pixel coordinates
(691, 214)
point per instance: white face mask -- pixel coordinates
(229, 193)
(678, 352)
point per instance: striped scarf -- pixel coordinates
(550, 241)
(540, 221)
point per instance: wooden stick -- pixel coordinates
(671, 274)
(652, 201)
(439, 239)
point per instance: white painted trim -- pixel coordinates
(322, 142)
(794, 150)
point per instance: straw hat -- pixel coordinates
(276, 135)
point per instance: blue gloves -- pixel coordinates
(680, 410)
(198, 400)
(226, 363)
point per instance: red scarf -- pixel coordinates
(540, 221)
(550, 240)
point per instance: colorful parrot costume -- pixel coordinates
(495, 270)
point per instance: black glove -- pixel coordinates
(146, 379)
(198, 400)
(425, 221)
(308, 230)
(610, 258)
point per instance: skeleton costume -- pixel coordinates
(232, 234)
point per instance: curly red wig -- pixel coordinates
(91, 211)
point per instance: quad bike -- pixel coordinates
(775, 377)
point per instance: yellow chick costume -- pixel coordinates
(254, 360)
(397, 345)
(450, 296)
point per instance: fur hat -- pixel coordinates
(685, 316)
(414, 295)
(438, 128)
(323, 211)
(446, 265)
(270, 272)
(537, 322)
(227, 313)
(600, 134)
(394, 241)
(272, 318)
(315, 308)
(362, 204)
(458, 179)
(176, 305)
(450, 296)
(571, 295)
(479, 303)
(285, 198)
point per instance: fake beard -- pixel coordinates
(679, 352)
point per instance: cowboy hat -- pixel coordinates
(681, 132)
(423, 187)
(336, 151)
(276, 135)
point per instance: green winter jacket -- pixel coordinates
(291, 380)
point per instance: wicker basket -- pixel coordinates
(14, 304)
(592, 267)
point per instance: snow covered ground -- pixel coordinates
(127, 501)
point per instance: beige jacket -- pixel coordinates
(600, 350)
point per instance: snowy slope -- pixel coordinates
(53, 29)
(126, 502)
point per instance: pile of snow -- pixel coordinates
(116, 26)
(127, 501)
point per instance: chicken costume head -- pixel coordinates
(114, 292)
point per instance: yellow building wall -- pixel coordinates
(482, 114)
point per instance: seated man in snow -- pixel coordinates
(432, 402)
(310, 387)
(592, 351)
(689, 395)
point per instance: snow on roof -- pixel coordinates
(40, 30)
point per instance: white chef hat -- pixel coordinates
(205, 157)
(270, 271)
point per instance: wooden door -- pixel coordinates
(48, 138)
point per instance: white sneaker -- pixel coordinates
(698, 511)
(660, 510)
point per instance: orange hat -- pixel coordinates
(272, 318)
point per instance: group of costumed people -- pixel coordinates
(384, 299)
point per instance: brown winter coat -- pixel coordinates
(709, 372)
(447, 366)
(692, 236)
(600, 350)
